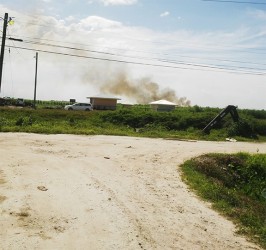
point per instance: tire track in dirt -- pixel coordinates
(142, 233)
(122, 193)
(2, 182)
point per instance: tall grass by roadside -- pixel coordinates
(57, 122)
(236, 186)
(185, 123)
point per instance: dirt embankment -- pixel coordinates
(106, 192)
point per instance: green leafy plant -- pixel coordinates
(236, 185)
(185, 122)
(20, 121)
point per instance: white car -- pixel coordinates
(79, 106)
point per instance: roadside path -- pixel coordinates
(106, 192)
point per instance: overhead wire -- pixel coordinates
(247, 50)
(232, 1)
(108, 53)
(223, 67)
(145, 52)
(164, 54)
(162, 42)
(17, 51)
(148, 64)
(169, 61)
(135, 57)
(186, 42)
(11, 71)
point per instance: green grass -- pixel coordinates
(236, 186)
(182, 123)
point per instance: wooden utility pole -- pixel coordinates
(3, 47)
(35, 85)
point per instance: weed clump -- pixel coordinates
(236, 184)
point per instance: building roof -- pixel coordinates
(163, 102)
(104, 97)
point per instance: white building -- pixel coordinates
(163, 105)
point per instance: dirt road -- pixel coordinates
(106, 192)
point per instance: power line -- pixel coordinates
(245, 49)
(178, 62)
(224, 66)
(145, 58)
(135, 57)
(186, 42)
(232, 1)
(113, 54)
(232, 67)
(164, 42)
(221, 48)
(150, 64)
(17, 51)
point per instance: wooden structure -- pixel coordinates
(103, 103)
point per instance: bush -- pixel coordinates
(20, 121)
(186, 122)
(242, 128)
(236, 185)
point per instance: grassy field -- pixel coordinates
(236, 186)
(183, 123)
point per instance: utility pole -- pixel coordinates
(35, 85)
(3, 47)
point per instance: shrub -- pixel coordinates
(20, 121)
(236, 185)
(241, 128)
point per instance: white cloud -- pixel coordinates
(119, 2)
(258, 14)
(165, 14)
(96, 23)
(62, 77)
(70, 19)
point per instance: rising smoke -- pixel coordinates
(142, 90)
(103, 76)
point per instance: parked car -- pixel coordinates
(79, 106)
(20, 102)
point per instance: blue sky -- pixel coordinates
(187, 14)
(217, 49)
(194, 14)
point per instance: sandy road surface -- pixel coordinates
(106, 192)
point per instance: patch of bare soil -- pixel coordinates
(107, 192)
